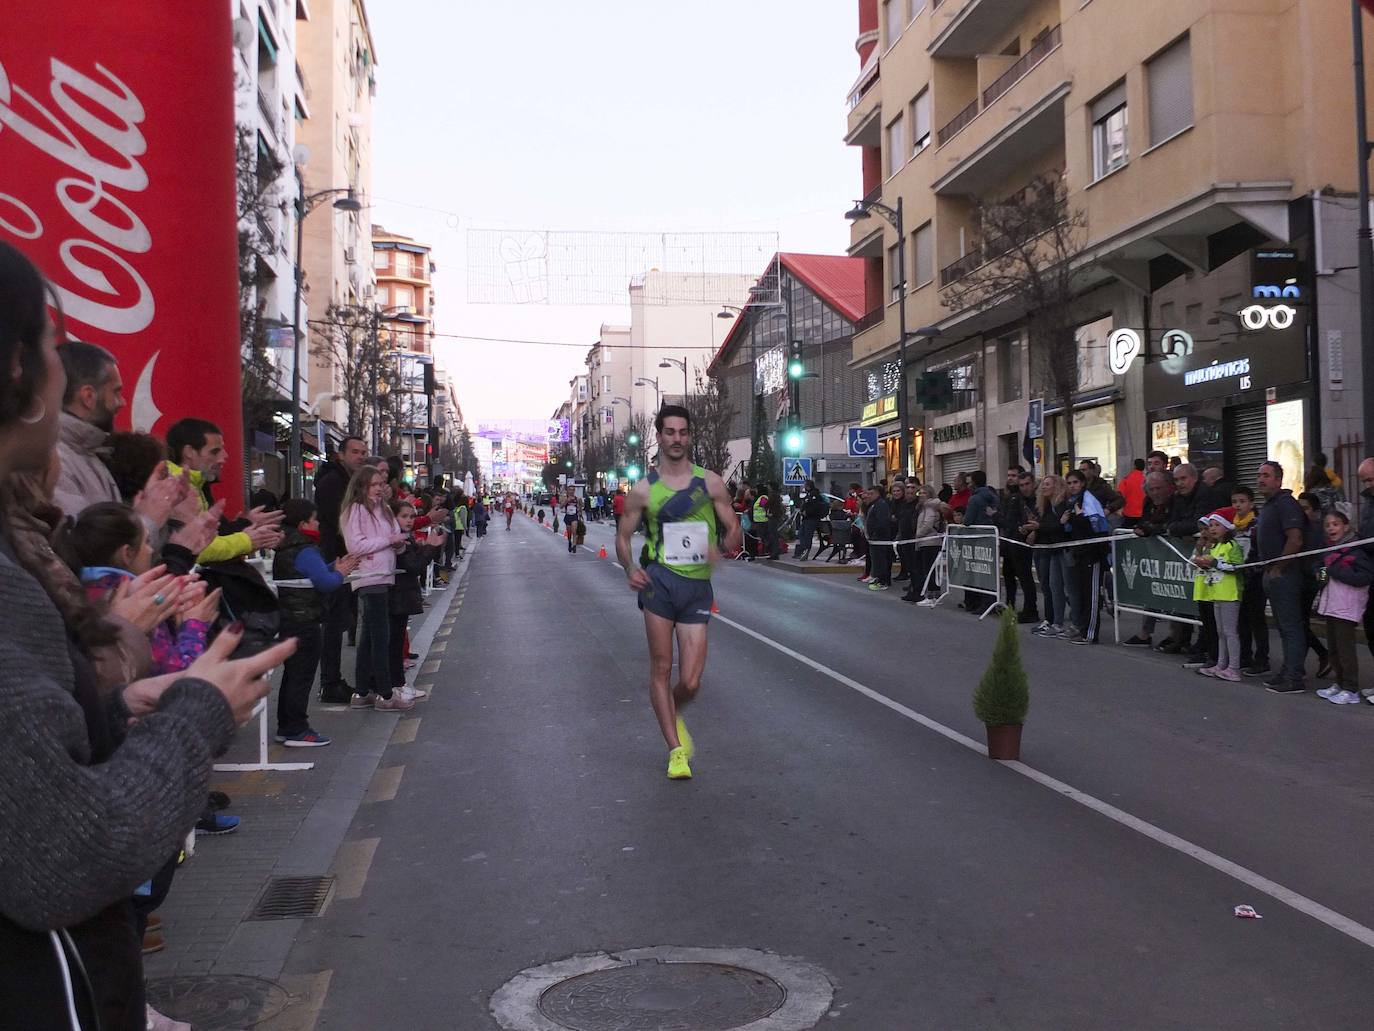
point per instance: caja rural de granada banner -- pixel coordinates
(1152, 576)
(117, 180)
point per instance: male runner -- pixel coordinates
(676, 502)
(510, 508)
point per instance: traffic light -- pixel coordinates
(795, 366)
(632, 439)
(308, 465)
(568, 463)
(792, 440)
(632, 472)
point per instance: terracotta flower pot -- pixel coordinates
(1004, 742)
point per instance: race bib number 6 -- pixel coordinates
(685, 544)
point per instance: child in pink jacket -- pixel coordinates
(1345, 576)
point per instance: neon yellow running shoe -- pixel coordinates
(685, 739)
(677, 765)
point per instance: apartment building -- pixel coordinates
(1205, 146)
(339, 60)
(609, 379)
(269, 103)
(673, 318)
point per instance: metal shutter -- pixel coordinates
(1246, 443)
(957, 462)
(1170, 78)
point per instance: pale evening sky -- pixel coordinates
(713, 116)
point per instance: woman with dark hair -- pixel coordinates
(96, 787)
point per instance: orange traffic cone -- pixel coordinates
(603, 552)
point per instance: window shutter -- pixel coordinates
(1170, 77)
(1109, 101)
(925, 255)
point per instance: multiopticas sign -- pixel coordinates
(1222, 370)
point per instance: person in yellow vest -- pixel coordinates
(766, 515)
(197, 449)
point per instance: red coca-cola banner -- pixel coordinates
(117, 179)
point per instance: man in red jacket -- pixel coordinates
(618, 506)
(1132, 488)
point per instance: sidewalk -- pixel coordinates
(220, 966)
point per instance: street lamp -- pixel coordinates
(861, 210)
(644, 381)
(668, 363)
(304, 205)
(402, 313)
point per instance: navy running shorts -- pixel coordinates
(680, 599)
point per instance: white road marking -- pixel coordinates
(1337, 921)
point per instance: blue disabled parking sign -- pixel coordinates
(863, 442)
(795, 471)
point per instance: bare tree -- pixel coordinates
(1029, 243)
(763, 464)
(712, 416)
(347, 338)
(257, 181)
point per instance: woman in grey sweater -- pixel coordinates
(96, 789)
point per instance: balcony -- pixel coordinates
(990, 94)
(957, 270)
(864, 128)
(269, 115)
(869, 320)
(952, 127)
(1021, 117)
(976, 27)
(1032, 57)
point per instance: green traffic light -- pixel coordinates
(633, 438)
(568, 463)
(632, 472)
(795, 369)
(793, 442)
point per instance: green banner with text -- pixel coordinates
(1150, 575)
(971, 558)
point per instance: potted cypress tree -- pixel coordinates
(1002, 697)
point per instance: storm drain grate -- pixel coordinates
(287, 898)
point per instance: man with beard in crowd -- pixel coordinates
(1016, 508)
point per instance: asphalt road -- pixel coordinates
(532, 819)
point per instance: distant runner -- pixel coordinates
(676, 502)
(572, 512)
(509, 505)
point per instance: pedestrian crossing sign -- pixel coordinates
(795, 471)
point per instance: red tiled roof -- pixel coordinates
(836, 279)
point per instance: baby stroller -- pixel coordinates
(751, 541)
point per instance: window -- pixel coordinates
(892, 18)
(923, 254)
(894, 269)
(405, 297)
(920, 122)
(605, 384)
(917, 6)
(1008, 369)
(1193, 315)
(380, 260)
(896, 145)
(1170, 80)
(1109, 131)
(384, 296)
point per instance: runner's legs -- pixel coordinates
(660, 634)
(691, 662)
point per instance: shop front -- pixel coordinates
(953, 448)
(881, 384)
(1238, 403)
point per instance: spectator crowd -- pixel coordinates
(1257, 556)
(143, 627)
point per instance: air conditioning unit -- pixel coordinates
(350, 255)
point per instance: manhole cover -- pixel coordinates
(653, 996)
(228, 1003)
(666, 988)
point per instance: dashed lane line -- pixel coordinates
(351, 866)
(405, 731)
(385, 783)
(1323, 914)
